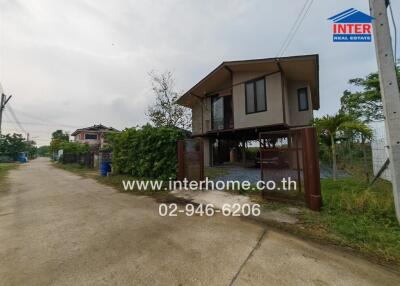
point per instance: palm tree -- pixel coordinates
(330, 127)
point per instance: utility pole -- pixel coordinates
(3, 103)
(389, 90)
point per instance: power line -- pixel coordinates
(296, 25)
(16, 119)
(44, 124)
(46, 120)
(292, 28)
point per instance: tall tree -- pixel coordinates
(59, 134)
(165, 112)
(331, 128)
(57, 138)
(365, 104)
(12, 144)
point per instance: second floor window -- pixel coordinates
(302, 97)
(256, 100)
(91, 136)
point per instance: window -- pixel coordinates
(91, 136)
(256, 100)
(302, 96)
(217, 114)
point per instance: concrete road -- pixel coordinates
(57, 228)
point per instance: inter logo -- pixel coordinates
(351, 26)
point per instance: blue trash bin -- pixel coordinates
(22, 157)
(105, 168)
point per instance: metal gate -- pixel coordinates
(289, 156)
(190, 159)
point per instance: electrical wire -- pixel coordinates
(297, 28)
(14, 116)
(46, 121)
(292, 28)
(45, 124)
(296, 25)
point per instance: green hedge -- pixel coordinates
(76, 148)
(146, 152)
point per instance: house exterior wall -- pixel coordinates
(196, 118)
(296, 117)
(274, 113)
(81, 138)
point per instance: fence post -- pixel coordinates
(312, 183)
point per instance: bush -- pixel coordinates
(75, 148)
(146, 152)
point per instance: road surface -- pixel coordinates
(57, 228)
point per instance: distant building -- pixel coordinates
(93, 135)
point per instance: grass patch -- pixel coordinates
(358, 216)
(78, 169)
(4, 168)
(214, 172)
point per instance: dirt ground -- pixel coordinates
(57, 228)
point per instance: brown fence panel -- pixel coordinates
(291, 155)
(190, 159)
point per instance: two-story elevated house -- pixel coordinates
(239, 99)
(93, 135)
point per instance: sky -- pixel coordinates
(71, 64)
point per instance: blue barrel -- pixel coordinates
(105, 168)
(22, 157)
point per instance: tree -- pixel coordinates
(330, 128)
(57, 138)
(59, 134)
(367, 103)
(30, 147)
(44, 151)
(165, 112)
(12, 144)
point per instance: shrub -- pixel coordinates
(146, 152)
(74, 148)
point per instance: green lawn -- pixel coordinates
(358, 216)
(4, 168)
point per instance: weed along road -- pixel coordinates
(57, 228)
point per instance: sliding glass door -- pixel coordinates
(221, 113)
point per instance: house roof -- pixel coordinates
(351, 16)
(95, 128)
(305, 67)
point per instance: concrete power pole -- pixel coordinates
(3, 103)
(390, 91)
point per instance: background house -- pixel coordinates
(93, 135)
